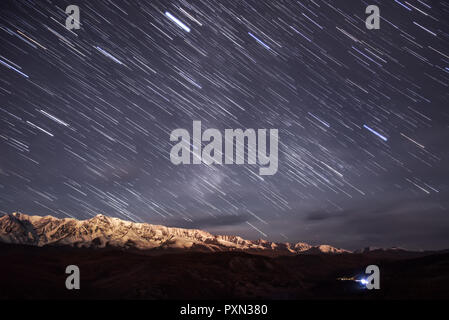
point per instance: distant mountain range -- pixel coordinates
(103, 231)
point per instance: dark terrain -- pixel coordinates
(28, 272)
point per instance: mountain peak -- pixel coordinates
(101, 231)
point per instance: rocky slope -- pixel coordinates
(102, 231)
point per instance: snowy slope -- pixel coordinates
(101, 231)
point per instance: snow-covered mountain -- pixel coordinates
(101, 231)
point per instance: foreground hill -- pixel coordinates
(31, 272)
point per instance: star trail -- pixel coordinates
(86, 115)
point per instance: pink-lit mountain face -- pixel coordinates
(102, 231)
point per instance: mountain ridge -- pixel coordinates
(103, 231)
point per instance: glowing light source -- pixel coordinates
(375, 132)
(177, 21)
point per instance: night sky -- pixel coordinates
(86, 116)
